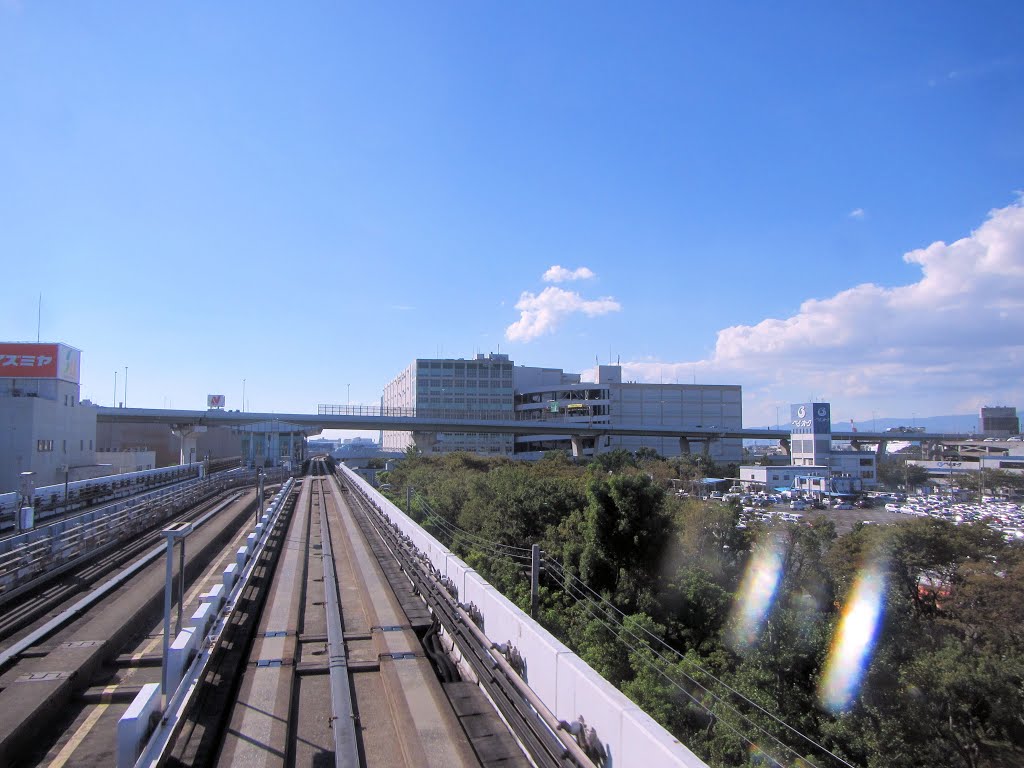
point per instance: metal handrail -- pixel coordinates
(54, 546)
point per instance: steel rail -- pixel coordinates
(346, 744)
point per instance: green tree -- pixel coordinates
(625, 534)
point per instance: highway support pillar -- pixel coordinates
(186, 433)
(880, 450)
(577, 445)
(424, 441)
(684, 445)
(784, 445)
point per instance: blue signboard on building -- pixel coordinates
(810, 419)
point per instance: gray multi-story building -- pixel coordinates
(44, 427)
(442, 387)
(999, 421)
(550, 394)
(492, 387)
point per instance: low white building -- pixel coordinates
(120, 462)
(47, 429)
(781, 478)
(951, 468)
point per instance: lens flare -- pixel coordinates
(756, 594)
(853, 640)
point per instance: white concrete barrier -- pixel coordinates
(230, 574)
(241, 557)
(202, 617)
(215, 596)
(178, 654)
(564, 682)
(133, 727)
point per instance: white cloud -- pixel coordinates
(857, 213)
(543, 312)
(954, 336)
(559, 274)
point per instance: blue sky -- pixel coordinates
(309, 197)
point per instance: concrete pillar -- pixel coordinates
(784, 445)
(880, 450)
(187, 434)
(188, 447)
(707, 445)
(424, 441)
(684, 445)
(577, 446)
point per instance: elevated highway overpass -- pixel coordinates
(432, 422)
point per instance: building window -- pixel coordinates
(866, 462)
(44, 446)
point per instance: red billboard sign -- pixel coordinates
(39, 361)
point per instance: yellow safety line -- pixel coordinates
(83, 730)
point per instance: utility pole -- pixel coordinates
(534, 579)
